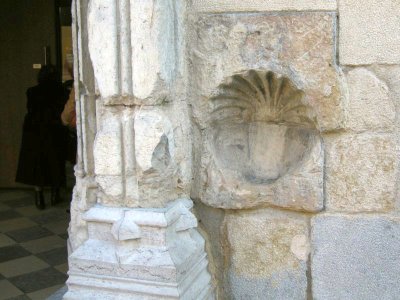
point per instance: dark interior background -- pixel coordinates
(26, 26)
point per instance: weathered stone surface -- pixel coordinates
(154, 145)
(368, 32)
(260, 141)
(355, 257)
(101, 20)
(211, 226)
(258, 95)
(299, 46)
(391, 76)
(360, 172)
(134, 60)
(370, 106)
(262, 5)
(137, 161)
(300, 189)
(108, 160)
(268, 254)
(140, 254)
(281, 71)
(107, 149)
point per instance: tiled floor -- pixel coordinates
(33, 246)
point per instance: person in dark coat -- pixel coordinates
(42, 159)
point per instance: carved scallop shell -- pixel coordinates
(257, 95)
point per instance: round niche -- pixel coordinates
(260, 129)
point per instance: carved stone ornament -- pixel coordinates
(262, 145)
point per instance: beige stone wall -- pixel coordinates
(278, 118)
(267, 239)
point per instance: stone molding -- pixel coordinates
(140, 253)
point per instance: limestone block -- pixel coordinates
(107, 149)
(360, 172)
(154, 144)
(262, 5)
(262, 146)
(153, 45)
(157, 171)
(140, 254)
(109, 160)
(102, 45)
(355, 257)
(298, 46)
(268, 255)
(370, 106)
(112, 188)
(211, 225)
(132, 47)
(368, 32)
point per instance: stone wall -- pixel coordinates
(277, 118)
(297, 204)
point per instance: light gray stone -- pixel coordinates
(267, 254)
(262, 5)
(360, 172)
(58, 295)
(355, 257)
(137, 60)
(262, 146)
(140, 254)
(368, 32)
(369, 105)
(154, 144)
(298, 46)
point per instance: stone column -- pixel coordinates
(133, 234)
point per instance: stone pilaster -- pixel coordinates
(134, 234)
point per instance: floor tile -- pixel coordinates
(45, 239)
(4, 207)
(22, 202)
(29, 211)
(50, 217)
(58, 227)
(44, 293)
(21, 297)
(21, 266)
(63, 268)
(6, 195)
(5, 240)
(42, 279)
(44, 244)
(29, 234)
(7, 290)
(15, 224)
(8, 214)
(55, 257)
(12, 252)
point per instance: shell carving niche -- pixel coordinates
(263, 145)
(260, 96)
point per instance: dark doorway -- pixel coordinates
(31, 35)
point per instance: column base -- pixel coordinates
(140, 254)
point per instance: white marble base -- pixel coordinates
(140, 254)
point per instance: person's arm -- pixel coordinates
(68, 114)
